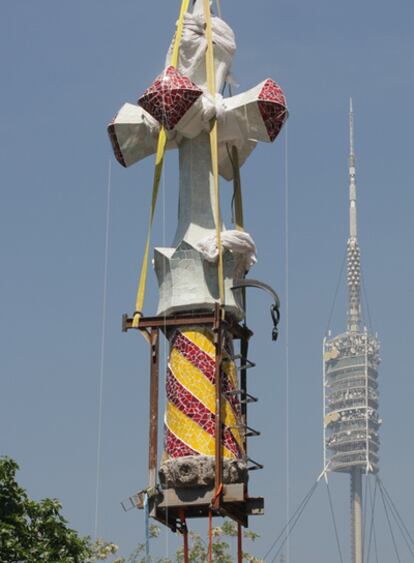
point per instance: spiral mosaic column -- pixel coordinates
(190, 412)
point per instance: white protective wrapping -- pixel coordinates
(237, 242)
(193, 47)
(134, 132)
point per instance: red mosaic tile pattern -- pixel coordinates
(174, 446)
(169, 97)
(189, 405)
(273, 108)
(115, 145)
(205, 364)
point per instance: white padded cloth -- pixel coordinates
(238, 242)
(191, 62)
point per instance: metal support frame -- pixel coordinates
(153, 418)
(218, 431)
(239, 544)
(170, 506)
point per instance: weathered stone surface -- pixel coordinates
(198, 471)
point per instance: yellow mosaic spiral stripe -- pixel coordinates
(198, 385)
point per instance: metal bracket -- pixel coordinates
(275, 308)
(251, 432)
(255, 466)
(248, 431)
(247, 365)
(245, 397)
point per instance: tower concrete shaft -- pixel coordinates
(356, 515)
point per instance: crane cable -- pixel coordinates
(211, 84)
(102, 353)
(159, 161)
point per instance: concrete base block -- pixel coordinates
(196, 471)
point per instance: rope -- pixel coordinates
(298, 511)
(211, 83)
(334, 522)
(102, 357)
(162, 141)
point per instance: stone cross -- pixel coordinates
(188, 276)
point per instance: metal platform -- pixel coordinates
(232, 501)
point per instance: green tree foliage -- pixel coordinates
(36, 532)
(198, 548)
(31, 531)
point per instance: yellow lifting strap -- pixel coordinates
(238, 201)
(211, 83)
(162, 141)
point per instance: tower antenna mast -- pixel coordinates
(353, 252)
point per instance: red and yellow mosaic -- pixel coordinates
(190, 414)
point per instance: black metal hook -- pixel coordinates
(274, 309)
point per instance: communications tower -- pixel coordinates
(350, 382)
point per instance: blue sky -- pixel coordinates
(67, 67)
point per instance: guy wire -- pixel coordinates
(102, 354)
(286, 189)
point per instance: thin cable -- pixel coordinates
(102, 356)
(165, 350)
(291, 528)
(401, 526)
(218, 5)
(375, 545)
(299, 508)
(389, 526)
(287, 337)
(165, 340)
(338, 284)
(364, 512)
(364, 291)
(371, 533)
(334, 522)
(396, 511)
